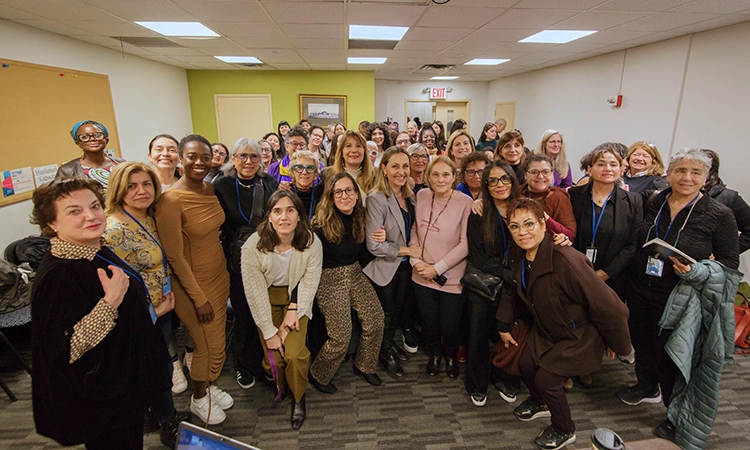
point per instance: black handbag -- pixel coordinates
(482, 283)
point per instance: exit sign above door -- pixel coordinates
(437, 93)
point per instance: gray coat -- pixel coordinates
(700, 311)
(384, 211)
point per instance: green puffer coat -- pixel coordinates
(700, 311)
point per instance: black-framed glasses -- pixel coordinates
(422, 157)
(471, 173)
(243, 157)
(219, 152)
(299, 168)
(505, 179)
(529, 225)
(266, 150)
(534, 173)
(97, 136)
(297, 144)
(338, 193)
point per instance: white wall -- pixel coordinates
(149, 98)
(390, 96)
(691, 91)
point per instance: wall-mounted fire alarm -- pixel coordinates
(615, 100)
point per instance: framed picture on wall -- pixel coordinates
(322, 109)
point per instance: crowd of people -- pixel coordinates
(374, 242)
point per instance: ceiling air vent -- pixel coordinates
(371, 44)
(249, 64)
(437, 66)
(147, 42)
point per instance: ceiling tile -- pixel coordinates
(6, 12)
(305, 12)
(431, 33)
(330, 31)
(99, 40)
(324, 56)
(157, 10)
(380, 14)
(612, 37)
(574, 5)
(423, 45)
(194, 59)
(282, 66)
(414, 54)
(481, 46)
(333, 44)
(242, 29)
(530, 19)
(641, 5)
(176, 52)
(316, 66)
(722, 21)
(457, 17)
(278, 56)
(60, 9)
(215, 43)
(224, 11)
(665, 21)
(254, 42)
(53, 27)
(714, 6)
(496, 36)
(598, 20)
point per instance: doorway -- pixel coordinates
(506, 110)
(240, 116)
(444, 111)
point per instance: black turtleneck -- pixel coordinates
(346, 252)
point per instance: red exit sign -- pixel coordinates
(437, 93)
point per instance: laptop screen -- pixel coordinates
(192, 437)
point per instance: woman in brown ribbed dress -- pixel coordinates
(189, 217)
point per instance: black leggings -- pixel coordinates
(392, 297)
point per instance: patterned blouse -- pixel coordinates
(135, 247)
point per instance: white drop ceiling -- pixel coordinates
(312, 34)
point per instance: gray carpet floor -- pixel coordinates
(414, 412)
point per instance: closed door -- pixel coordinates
(239, 116)
(448, 112)
(506, 110)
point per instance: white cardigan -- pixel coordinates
(257, 276)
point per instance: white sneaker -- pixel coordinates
(220, 398)
(200, 408)
(179, 383)
(188, 360)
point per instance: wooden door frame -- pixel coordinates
(421, 100)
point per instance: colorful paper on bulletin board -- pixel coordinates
(44, 174)
(17, 181)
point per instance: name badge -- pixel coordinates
(591, 254)
(166, 286)
(654, 267)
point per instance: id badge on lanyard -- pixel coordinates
(654, 267)
(591, 254)
(166, 286)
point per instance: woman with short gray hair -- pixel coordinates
(690, 220)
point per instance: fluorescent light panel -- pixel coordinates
(557, 36)
(182, 29)
(485, 62)
(380, 33)
(445, 77)
(356, 60)
(239, 59)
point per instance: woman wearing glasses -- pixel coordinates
(220, 157)
(553, 145)
(340, 224)
(243, 192)
(305, 169)
(576, 318)
(403, 140)
(439, 250)
(419, 157)
(645, 169)
(92, 137)
(473, 167)
(554, 200)
(267, 155)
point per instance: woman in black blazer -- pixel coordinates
(608, 218)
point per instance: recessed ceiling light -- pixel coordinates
(445, 77)
(239, 59)
(377, 32)
(183, 29)
(352, 60)
(557, 36)
(485, 62)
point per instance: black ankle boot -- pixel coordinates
(433, 365)
(389, 363)
(451, 367)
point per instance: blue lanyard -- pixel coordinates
(523, 273)
(135, 274)
(239, 206)
(312, 201)
(658, 219)
(596, 222)
(156, 241)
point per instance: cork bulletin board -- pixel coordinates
(38, 107)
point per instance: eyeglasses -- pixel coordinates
(403, 141)
(266, 150)
(505, 179)
(470, 173)
(219, 152)
(297, 144)
(97, 136)
(422, 157)
(243, 157)
(545, 173)
(529, 225)
(338, 193)
(299, 168)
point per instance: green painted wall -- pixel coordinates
(284, 87)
